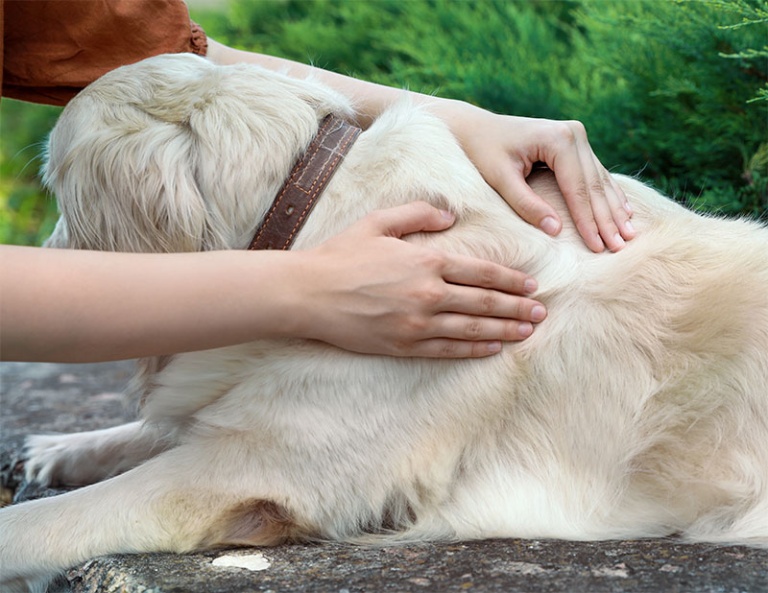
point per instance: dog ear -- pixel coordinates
(127, 186)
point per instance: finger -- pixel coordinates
(445, 348)
(410, 218)
(470, 271)
(531, 207)
(473, 328)
(603, 199)
(610, 214)
(610, 206)
(448, 346)
(568, 167)
(482, 303)
(622, 210)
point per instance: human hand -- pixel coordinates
(371, 292)
(505, 148)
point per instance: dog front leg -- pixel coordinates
(174, 502)
(86, 457)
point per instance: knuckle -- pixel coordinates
(488, 303)
(375, 217)
(473, 330)
(581, 192)
(597, 186)
(577, 129)
(416, 325)
(487, 275)
(449, 349)
(530, 209)
(519, 312)
(432, 296)
(570, 131)
(565, 133)
(435, 260)
(402, 348)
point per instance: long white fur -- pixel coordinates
(638, 408)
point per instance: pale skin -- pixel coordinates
(77, 306)
(364, 290)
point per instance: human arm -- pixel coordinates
(365, 290)
(504, 149)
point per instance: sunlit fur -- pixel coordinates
(638, 408)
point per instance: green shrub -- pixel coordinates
(27, 214)
(662, 96)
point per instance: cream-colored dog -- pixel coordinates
(638, 409)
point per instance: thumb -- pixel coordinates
(528, 204)
(411, 218)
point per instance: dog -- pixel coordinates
(638, 409)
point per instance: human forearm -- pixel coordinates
(369, 99)
(73, 306)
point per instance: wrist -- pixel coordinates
(458, 115)
(286, 303)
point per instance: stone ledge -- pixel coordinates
(61, 398)
(512, 566)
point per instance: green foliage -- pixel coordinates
(509, 56)
(663, 96)
(27, 215)
(674, 89)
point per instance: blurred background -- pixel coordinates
(674, 91)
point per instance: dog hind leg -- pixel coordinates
(178, 501)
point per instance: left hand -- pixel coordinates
(505, 148)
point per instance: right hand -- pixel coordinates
(504, 149)
(371, 292)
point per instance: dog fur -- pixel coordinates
(639, 408)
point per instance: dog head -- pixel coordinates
(175, 153)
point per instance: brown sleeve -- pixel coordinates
(54, 48)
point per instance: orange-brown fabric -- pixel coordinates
(51, 49)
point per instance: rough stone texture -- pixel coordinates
(64, 398)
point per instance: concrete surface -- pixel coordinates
(66, 398)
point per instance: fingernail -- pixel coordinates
(530, 285)
(619, 240)
(629, 228)
(538, 313)
(628, 208)
(525, 329)
(494, 347)
(447, 215)
(549, 225)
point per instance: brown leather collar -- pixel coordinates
(304, 185)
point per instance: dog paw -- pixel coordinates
(57, 460)
(46, 458)
(87, 457)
